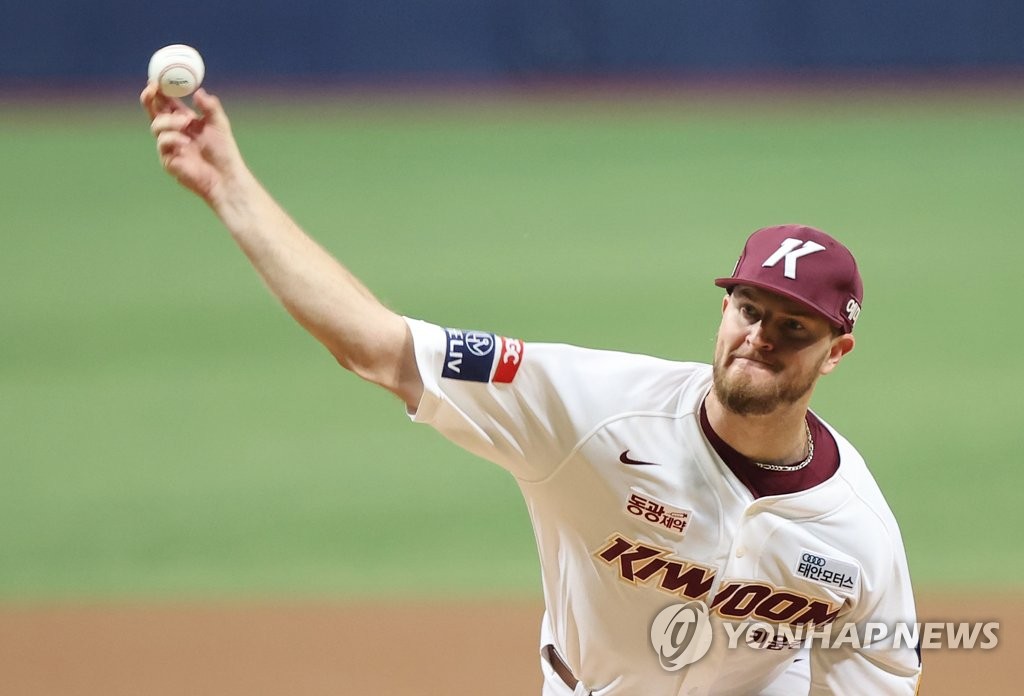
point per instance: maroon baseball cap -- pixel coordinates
(805, 265)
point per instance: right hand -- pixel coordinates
(199, 151)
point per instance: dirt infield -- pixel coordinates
(308, 650)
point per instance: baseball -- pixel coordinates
(178, 69)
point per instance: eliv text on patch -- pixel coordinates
(479, 356)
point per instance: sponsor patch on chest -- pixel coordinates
(478, 356)
(830, 572)
(657, 513)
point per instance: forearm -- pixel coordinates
(201, 153)
(320, 293)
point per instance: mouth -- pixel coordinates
(762, 364)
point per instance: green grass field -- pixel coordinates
(167, 431)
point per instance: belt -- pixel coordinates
(561, 669)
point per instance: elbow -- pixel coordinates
(400, 375)
(359, 365)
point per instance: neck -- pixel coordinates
(778, 437)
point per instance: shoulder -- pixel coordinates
(856, 517)
(568, 356)
(854, 471)
(626, 381)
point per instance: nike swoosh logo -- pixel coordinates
(624, 458)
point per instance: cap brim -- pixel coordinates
(730, 283)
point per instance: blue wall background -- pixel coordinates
(497, 39)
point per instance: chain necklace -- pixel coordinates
(793, 467)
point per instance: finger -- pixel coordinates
(170, 142)
(169, 122)
(149, 99)
(213, 110)
(156, 102)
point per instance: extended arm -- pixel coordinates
(362, 334)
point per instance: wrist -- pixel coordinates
(230, 194)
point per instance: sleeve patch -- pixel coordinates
(509, 360)
(478, 356)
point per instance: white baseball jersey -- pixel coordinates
(634, 511)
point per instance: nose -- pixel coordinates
(758, 337)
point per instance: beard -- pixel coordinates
(743, 395)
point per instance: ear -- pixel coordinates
(725, 302)
(841, 345)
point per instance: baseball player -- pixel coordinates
(700, 530)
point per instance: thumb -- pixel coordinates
(213, 111)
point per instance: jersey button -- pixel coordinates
(740, 551)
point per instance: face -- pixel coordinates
(770, 351)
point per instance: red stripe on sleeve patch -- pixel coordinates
(509, 361)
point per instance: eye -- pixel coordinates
(794, 326)
(749, 311)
